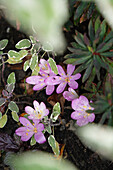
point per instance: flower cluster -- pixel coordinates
(29, 129)
(81, 105)
(49, 79)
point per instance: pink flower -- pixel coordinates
(29, 130)
(38, 113)
(64, 79)
(70, 94)
(44, 66)
(40, 81)
(80, 106)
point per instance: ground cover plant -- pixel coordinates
(56, 97)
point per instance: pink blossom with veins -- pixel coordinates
(70, 94)
(40, 81)
(29, 130)
(81, 105)
(64, 78)
(39, 111)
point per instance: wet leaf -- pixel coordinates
(13, 107)
(54, 144)
(23, 44)
(2, 101)
(26, 65)
(11, 78)
(32, 141)
(10, 87)
(33, 61)
(3, 44)
(15, 116)
(53, 65)
(3, 121)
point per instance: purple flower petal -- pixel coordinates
(25, 122)
(27, 136)
(42, 106)
(61, 87)
(61, 71)
(91, 117)
(73, 84)
(84, 101)
(82, 122)
(75, 77)
(36, 105)
(40, 127)
(50, 89)
(33, 79)
(20, 131)
(29, 110)
(75, 104)
(39, 137)
(53, 80)
(67, 96)
(76, 115)
(70, 69)
(39, 86)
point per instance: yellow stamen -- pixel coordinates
(35, 130)
(27, 134)
(89, 107)
(27, 124)
(39, 116)
(28, 130)
(85, 107)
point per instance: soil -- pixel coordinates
(74, 150)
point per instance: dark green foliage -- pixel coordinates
(92, 51)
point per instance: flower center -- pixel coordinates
(39, 116)
(67, 79)
(35, 130)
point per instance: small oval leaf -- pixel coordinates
(13, 107)
(15, 116)
(53, 65)
(26, 65)
(3, 121)
(33, 61)
(3, 44)
(11, 78)
(2, 101)
(23, 44)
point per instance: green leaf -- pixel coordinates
(15, 116)
(51, 141)
(82, 60)
(54, 144)
(97, 24)
(79, 39)
(2, 101)
(83, 66)
(48, 129)
(23, 53)
(11, 78)
(91, 30)
(53, 65)
(12, 61)
(56, 107)
(10, 87)
(3, 121)
(87, 72)
(26, 65)
(23, 44)
(80, 9)
(33, 61)
(32, 39)
(32, 141)
(13, 106)
(103, 30)
(3, 44)
(0, 115)
(107, 54)
(70, 61)
(13, 54)
(97, 66)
